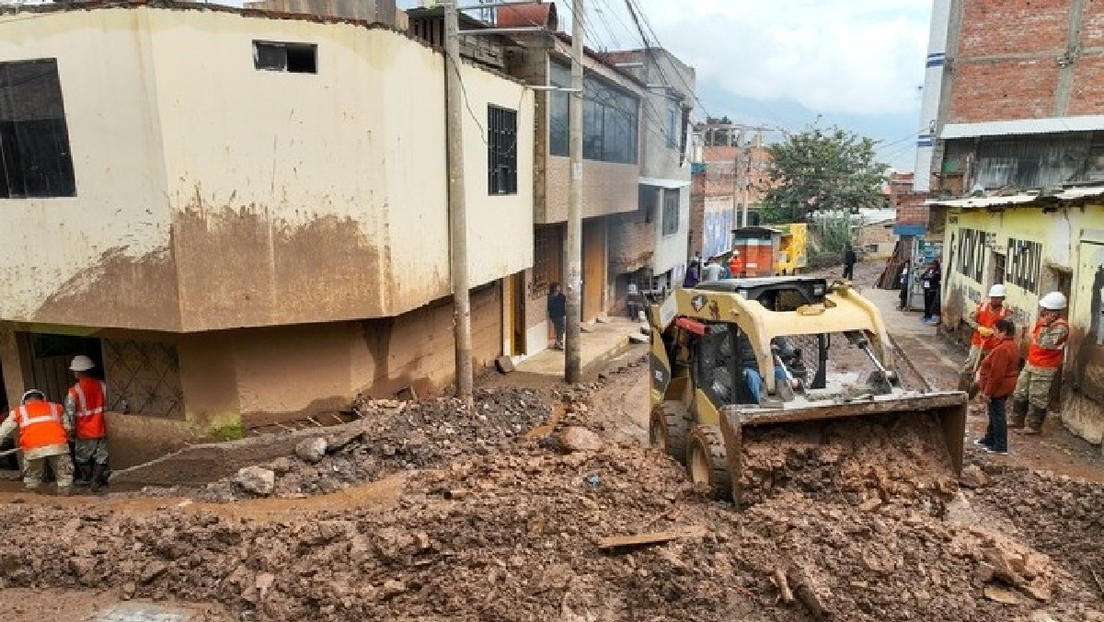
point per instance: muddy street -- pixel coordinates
(527, 509)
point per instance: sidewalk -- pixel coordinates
(935, 357)
(601, 343)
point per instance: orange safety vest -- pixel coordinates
(735, 265)
(1046, 357)
(40, 425)
(987, 317)
(89, 396)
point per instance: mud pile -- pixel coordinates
(393, 436)
(863, 462)
(514, 534)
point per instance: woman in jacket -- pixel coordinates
(997, 380)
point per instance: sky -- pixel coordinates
(858, 64)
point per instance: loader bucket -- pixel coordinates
(942, 415)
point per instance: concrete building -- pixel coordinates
(241, 216)
(1015, 173)
(649, 246)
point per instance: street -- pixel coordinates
(425, 513)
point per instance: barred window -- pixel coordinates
(501, 150)
(1024, 263)
(670, 211)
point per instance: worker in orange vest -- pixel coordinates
(735, 265)
(84, 412)
(1044, 356)
(982, 341)
(43, 438)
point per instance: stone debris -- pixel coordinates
(576, 438)
(487, 526)
(256, 480)
(311, 450)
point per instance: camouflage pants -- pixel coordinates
(1033, 386)
(973, 360)
(90, 450)
(34, 471)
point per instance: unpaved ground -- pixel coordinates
(491, 518)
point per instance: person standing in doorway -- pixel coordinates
(1044, 356)
(930, 281)
(557, 313)
(849, 259)
(84, 413)
(43, 439)
(997, 381)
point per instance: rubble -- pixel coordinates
(489, 526)
(311, 450)
(256, 480)
(576, 438)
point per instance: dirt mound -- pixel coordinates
(861, 462)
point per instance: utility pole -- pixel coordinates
(746, 185)
(457, 206)
(572, 347)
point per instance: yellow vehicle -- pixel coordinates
(736, 354)
(792, 248)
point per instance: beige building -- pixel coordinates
(243, 216)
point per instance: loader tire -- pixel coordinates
(706, 462)
(668, 428)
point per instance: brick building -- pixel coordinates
(1014, 105)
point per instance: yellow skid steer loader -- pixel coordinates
(731, 357)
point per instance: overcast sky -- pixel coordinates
(855, 63)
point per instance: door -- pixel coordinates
(515, 313)
(1086, 317)
(594, 268)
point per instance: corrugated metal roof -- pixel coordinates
(1053, 125)
(1068, 195)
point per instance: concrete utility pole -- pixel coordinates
(458, 216)
(572, 347)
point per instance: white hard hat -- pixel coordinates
(997, 291)
(30, 393)
(81, 363)
(1055, 301)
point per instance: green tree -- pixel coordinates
(821, 170)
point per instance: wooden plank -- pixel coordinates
(645, 539)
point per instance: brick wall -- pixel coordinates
(1015, 59)
(911, 209)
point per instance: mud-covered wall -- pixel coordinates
(1040, 252)
(103, 257)
(213, 195)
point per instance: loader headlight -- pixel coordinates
(818, 290)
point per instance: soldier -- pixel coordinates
(1044, 355)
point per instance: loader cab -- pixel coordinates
(785, 293)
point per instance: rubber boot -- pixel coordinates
(1035, 421)
(80, 475)
(97, 474)
(1019, 415)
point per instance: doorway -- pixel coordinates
(48, 357)
(515, 313)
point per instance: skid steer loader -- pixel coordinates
(736, 354)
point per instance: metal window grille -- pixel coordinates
(501, 150)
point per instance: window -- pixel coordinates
(610, 119)
(672, 124)
(670, 211)
(288, 57)
(972, 250)
(648, 198)
(501, 150)
(34, 140)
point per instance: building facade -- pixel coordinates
(1016, 161)
(230, 213)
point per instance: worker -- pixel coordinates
(712, 270)
(1044, 355)
(43, 439)
(998, 374)
(84, 413)
(982, 341)
(735, 265)
(849, 259)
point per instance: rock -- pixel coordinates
(1001, 595)
(974, 477)
(311, 450)
(391, 589)
(152, 571)
(257, 480)
(263, 584)
(1040, 590)
(576, 438)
